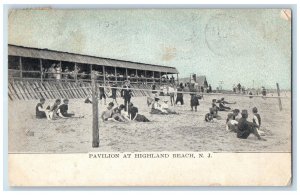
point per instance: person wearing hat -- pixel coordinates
(157, 108)
(63, 110)
(245, 128)
(39, 110)
(126, 93)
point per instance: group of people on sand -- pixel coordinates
(119, 114)
(58, 109)
(239, 125)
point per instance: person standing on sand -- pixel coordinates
(126, 93)
(102, 94)
(114, 92)
(39, 110)
(179, 97)
(171, 92)
(245, 128)
(194, 98)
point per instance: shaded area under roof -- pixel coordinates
(14, 50)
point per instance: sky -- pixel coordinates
(247, 46)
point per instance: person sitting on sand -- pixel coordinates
(157, 108)
(39, 110)
(51, 110)
(165, 106)
(120, 114)
(234, 114)
(134, 115)
(231, 124)
(222, 105)
(257, 120)
(245, 128)
(214, 104)
(63, 110)
(108, 113)
(209, 117)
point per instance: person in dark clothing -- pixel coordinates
(209, 117)
(194, 98)
(134, 115)
(179, 97)
(154, 92)
(39, 110)
(126, 93)
(245, 128)
(102, 93)
(114, 92)
(209, 89)
(239, 86)
(63, 110)
(222, 105)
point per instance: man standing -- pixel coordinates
(114, 92)
(245, 128)
(126, 93)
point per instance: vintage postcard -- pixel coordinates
(149, 97)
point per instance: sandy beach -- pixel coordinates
(186, 131)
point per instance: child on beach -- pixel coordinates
(39, 110)
(51, 110)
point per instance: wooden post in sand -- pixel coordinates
(279, 99)
(95, 112)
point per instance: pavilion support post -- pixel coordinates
(21, 67)
(41, 68)
(146, 76)
(177, 79)
(91, 70)
(116, 78)
(76, 72)
(104, 75)
(95, 143)
(279, 99)
(160, 78)
(136, 75)
(153, 77)
(126, 74)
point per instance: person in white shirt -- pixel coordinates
(171, 92)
